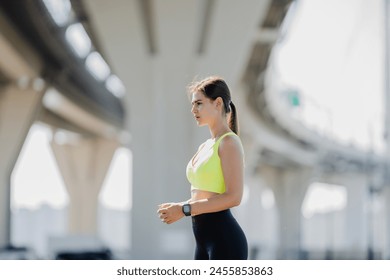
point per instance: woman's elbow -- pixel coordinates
(236, 200)
(234, 197)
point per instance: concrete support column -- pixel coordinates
(163, 135)
(356, 219)
(5, 208)
(18, 110)
(167, 56)
(386, 4)
(83, 164)
(356, 226)
(386, 249)
(162, 144)
(255, 219)
(289, 186)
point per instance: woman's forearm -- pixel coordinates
(214, 204)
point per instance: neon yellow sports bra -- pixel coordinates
(207, 175)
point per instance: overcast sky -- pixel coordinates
(334, 56)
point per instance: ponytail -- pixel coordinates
(233, 121)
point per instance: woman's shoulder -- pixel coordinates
(230, 137)
(230, 141)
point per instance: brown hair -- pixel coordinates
(214, 87)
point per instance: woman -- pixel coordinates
(216, 176)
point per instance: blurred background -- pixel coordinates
(96, 129)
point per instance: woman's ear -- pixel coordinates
(219, 102)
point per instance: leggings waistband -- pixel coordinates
(212, 217)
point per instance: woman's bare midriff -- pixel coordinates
(199, 194)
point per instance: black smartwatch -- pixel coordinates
(186, 208)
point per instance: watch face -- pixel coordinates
(186, 209)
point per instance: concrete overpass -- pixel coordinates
(43, 81)
(156, 48)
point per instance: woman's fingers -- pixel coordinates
(167, 213)
(163, 215)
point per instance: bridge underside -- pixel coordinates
(157, 48)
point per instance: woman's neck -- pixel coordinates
(219, 130)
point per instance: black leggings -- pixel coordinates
(218, 236)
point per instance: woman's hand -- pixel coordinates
(170, 212)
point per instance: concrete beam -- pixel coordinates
(230, 41)
(252, 125)
(18, 60)
(76, 116)
(267, 35)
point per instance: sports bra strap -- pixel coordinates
(226, 134)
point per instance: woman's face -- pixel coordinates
(203, 108)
